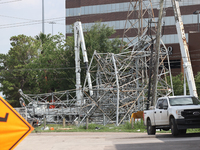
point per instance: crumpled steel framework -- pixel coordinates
(120, 82)
(54, 107)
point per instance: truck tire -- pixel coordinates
(182, 131)
(151, 130)
(173, 126)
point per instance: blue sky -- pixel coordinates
(25, 17)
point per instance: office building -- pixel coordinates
(114, 14)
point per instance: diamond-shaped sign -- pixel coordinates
(13, 127)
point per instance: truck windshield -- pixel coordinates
(178, 101)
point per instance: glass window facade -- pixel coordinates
(120, 24)
(169, 21)
(117, 7)
(167, 39)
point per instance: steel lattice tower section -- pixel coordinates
(121, 81)
(138, 16)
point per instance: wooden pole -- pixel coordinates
(157, 50)
(132, 123)
(63, 122)
(86, 123)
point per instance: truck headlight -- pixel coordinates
(178, 112)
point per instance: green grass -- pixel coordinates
(126, 127)
(193, 130)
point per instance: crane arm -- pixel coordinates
(184, 49)
(79, 40)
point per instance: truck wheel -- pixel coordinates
(173, 126)
(151, 130)
(182, 131)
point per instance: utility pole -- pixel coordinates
(157, 50)
(43, 16)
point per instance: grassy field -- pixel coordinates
(126, 127)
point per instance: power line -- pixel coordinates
(54, 19)
(15, 17)
(31, 22)
(10, 1)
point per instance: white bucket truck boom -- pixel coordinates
(79, 40)
(184, 49)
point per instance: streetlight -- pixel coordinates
(197, 13)
(52, 22)
(43, 16)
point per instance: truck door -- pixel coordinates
(157, 113)
(164, 113)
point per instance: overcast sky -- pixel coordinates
(25, 17)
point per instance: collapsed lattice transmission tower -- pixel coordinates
(120, 82)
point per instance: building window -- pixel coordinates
(174, 64)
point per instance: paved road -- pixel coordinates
(108, 141)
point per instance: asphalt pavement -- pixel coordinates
(108, 141)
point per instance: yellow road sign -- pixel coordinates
(13, 127)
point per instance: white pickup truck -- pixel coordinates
(177, 113)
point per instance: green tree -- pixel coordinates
(49, 70)
(47, 63)
(43, 37)
(178, 84)
(97, 38)
(13, 76)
